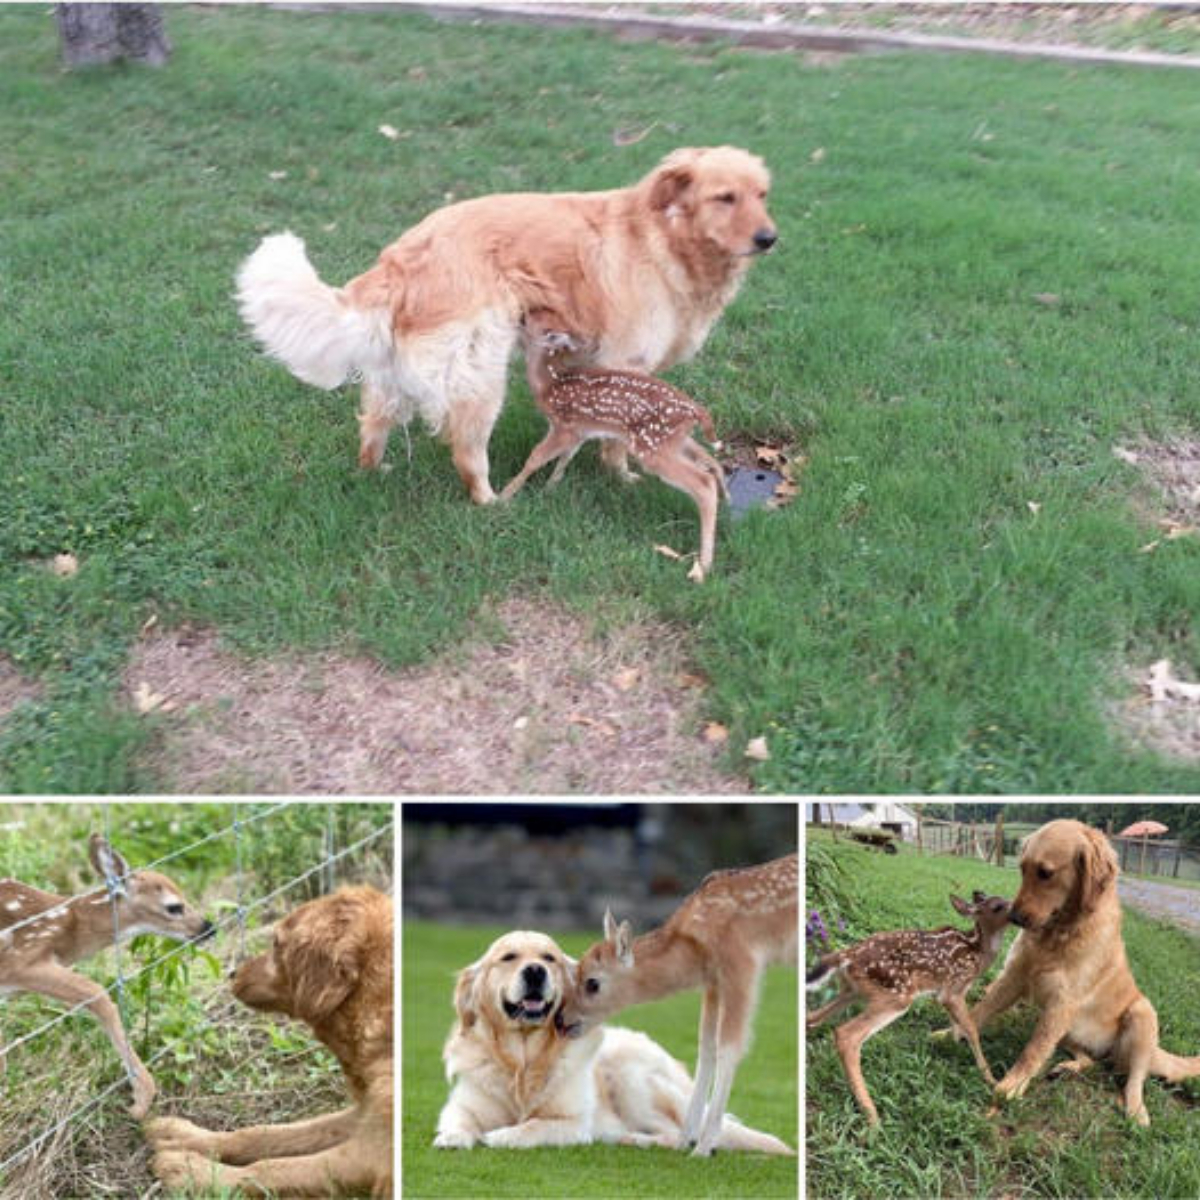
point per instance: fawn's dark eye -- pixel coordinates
(591, 986)
(512, 954)
(175, 909)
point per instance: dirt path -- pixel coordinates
(1167, 901)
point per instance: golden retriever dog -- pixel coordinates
(330, 965)
(1069, 961)
(643, 272)
(518, 1080)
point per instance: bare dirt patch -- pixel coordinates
(15, 688)
(547, 708)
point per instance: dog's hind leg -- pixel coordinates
(375, 420)
(468, 429)
(1135, 1052)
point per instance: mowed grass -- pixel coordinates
(952, 601)
(1066, 1137)
(764, 1093)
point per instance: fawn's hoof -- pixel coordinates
(697, 573)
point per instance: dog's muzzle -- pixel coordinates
(532, 1006)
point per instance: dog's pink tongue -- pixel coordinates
(533, 1006)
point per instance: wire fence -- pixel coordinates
(114, 886)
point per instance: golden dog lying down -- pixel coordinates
(641, 271)
(330, 965)
(519, 1082)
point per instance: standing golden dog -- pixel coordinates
(330, 965)
(643, 272)
(1069, 960)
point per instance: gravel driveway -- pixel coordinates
(1170, 902)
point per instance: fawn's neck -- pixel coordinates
(666, 963)
(985, 945)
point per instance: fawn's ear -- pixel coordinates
(620, 938)
(960, 905)
(107, 861)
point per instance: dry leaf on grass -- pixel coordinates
(1048, 299)
(818, 155)
(1126, 456)
(601, 727)
(756, 748)
(277, 175)
(627, 678)
(390, 132)
(145, 700)
(688, 680)
(667, 552)
(715, 733)
(64, 565)
(631, 136)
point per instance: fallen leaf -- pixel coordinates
(390, 132)
(149, 623)
(1049, 299)
(769, 456)
(756, 748)
(1149, 546)
(627, 678)
(1175, 529)
(64, 565)
(817, 155)
(145, 700)
(1126, 456)
(688, 680)
(1033, 506)
(601, 727)
(277, 175)
(715, 733)
(1162, 684)
(667, 552)
(520, 722)
(632, 135)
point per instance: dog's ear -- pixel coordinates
(1096, 864)
(672, 179)
(464, 996)
(322, 951)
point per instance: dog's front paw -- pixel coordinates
(176, 1133)
(184, 1168)
(1011, 1087)
(453, 1139)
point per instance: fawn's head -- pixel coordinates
(990, 913)
(146, 901)
(603, 979)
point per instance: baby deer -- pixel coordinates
(651, 418)
(890, 970)
(42, 934)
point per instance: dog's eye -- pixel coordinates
(548, 958)
(591, 986)
(512, 954)
(726, 198)
(1044, 872)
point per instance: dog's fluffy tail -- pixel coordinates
(736, 1136)
(304, 323)
(1172, 1067)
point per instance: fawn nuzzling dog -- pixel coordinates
(651, 418)
(736, 923)
(42, 935)
(890, 970)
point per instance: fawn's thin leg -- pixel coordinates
(879, 1013)
(61, 983)
(956, 1006)
(672, 466)
(842, 1000)
(564, 461)
(701, 457)
(737, 987)
(556, 442)
(710, 1012)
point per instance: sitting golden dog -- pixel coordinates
(330, 965)
(1069, 960)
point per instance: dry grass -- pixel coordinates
(547, 707)
(15, 688)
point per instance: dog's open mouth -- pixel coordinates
(529, 1008)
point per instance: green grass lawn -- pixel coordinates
(908, 623)
(1064, 1138)
(764, 1094)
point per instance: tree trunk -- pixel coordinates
(92, 34)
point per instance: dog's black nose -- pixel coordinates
(764, 239)
(534, 975)
(1017, 918)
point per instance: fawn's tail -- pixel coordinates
(825, 969)
(705, 421)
